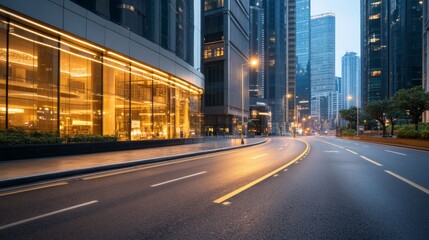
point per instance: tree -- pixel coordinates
(393, 113)
(350, 116)
(414, 101)
(377, 110)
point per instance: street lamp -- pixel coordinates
(253, 62)
(357, 114)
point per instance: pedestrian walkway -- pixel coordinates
(16, 169)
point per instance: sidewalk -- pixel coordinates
(26, 171)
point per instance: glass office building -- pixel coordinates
(303, 81)
(391, 47)
(72, 68)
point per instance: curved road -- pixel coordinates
(341, 189)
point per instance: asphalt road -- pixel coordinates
(341, 190)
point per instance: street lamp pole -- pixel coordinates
(357, 116)
(252, 62)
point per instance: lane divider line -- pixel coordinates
(96, 176)
(403, 154)
(371, 161)
(423, 189)
(33, 188)
(47, 214)
(348, 150)
(263, 155)
(281, 148)
(178, 179)
(251, 184)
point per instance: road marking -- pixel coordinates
(47, 215)
(178, 179)
(403, 154)
(249, 185)
(365, 146)
(263, 155)
(330, 151)
(281, 148)
(152, 166)
(275, 175)
(338, 146)
(286, 144)
(372, 161)
(423, 189)
(351, 151)
(34, 188)
(285, 170)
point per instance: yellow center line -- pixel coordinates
(34, 188)
(239, 190)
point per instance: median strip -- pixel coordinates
(247, 186)
(46, 215)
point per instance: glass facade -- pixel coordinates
(391, 47)
(172, 24)
(60, 86)
(303, 81)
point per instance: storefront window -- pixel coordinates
(195, 112)
(3, 54)
(80, 97)
(141, 105)
(160, 108)
(33, 79)
(116, 88)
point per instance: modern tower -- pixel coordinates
(426, 53)
(126, 68)
(391, 48)
(322, 58)
(291, 26)
(226, 66)
(351, 87)
(303, 80)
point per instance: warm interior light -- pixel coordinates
(254, 62)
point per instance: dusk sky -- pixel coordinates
(347, 24)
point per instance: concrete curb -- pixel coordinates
(10, 182)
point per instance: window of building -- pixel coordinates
(213, 4)
(3, 54)
(33, 79)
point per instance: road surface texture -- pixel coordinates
(286, 188)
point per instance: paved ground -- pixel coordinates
(40, 166)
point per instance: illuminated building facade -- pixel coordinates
(101, 67)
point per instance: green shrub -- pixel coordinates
(18, 136)
(425, 134)
(408, 133)
(89, 138)
(348, 132)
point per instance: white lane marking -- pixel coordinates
(286, 144)
(330, 151)
(275, 175)
(281, 148)
(226, 203)
(263, 155)
(285, 170)
(372, 161)
(178, 179)
(351, 151)
(47, 215)
(357, 144)
(365, 146)
(423, 189)
(338, 146)
(403, 154)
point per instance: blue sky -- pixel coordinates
(347, 26)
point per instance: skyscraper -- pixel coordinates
(226, 68)
(426, 53)
(275, 61)
(291, 63)
(351, 87)
(322, 58)
(391, 34)
(303, 81)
